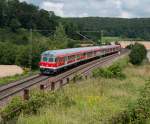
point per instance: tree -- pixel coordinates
(22, 58)
(7, 53)
(72, 43)
(14, 25)
(60, 37)
(138, 54)
(38, 48)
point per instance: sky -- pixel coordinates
(100, 8)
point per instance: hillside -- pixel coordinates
(130, 28)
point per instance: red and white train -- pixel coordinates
(55, 60)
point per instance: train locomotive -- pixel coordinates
(53, 61)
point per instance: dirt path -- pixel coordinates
(9, 70)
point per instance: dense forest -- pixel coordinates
(138, 28)
(26, 31)
(15, 14)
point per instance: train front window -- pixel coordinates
(45, 59)
(51, 59)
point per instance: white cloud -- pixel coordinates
(51, 6)
(83, 15)
(125, 14)
(23, 0)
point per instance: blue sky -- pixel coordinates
(101, 8)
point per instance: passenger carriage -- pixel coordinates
(54, 60)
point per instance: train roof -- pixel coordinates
(62, 52)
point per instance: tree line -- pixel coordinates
(15, 14)
(136, 28)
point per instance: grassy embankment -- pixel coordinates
(93, 101)
(9, 79)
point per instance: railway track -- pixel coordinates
(12, 89)
(17, 87)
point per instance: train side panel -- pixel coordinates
(67, 60)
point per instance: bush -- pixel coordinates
(8, 53)
(17, 105)
(37, 100)
(114, 71)
(13, 109)
(138, 54)
(129, 46)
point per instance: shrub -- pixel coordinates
(13, 109)
(105, 73)
(129, 46)
(37, 100)
(114, 71)
(138, 54)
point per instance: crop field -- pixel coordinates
(9, 70)
(93, 101)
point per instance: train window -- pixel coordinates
(51, 59)
(45, 59)
(62, 59)
(78, 56)
(56, 60)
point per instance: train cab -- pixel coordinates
(47, 63)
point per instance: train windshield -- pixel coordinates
(47, 59)
(51, 59)
(44, 59)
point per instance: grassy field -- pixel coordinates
(93, 101)
(107, 39)
(10, 79)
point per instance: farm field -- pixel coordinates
(93, 101)
(126, 43)
(9, 70)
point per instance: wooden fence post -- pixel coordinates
(52, 86)
(61, 83)
(67, 80)
(74, 79)
(86, 77)
(26, 94)
(42, 87)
